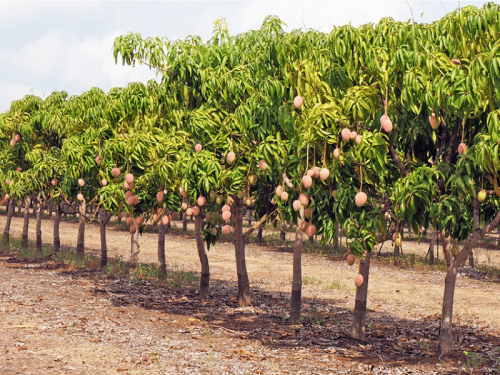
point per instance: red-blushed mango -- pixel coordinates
(138, 220)
(201, 201)
(184, 206)
(165, 220)
(196, 210)
(133, 229)
(284, 196)
(263, 165)
(156, 218)
(17, 138)
(279, 190)
(311, 230)
(303, 225)
(310, 173)
(81, 182)
(226, 215)
(79, 196)
(296, 205)
(115, 172)
(7, 182)
(128, 194)
(345, 134)
(358, 280)
(159, 196)
(12, 142)
(54, 182)
(336, 153)
(350, 259)
(226, 229)
(298, 101)
(304, 200)
(386, 123)
(231, 156)
(353, 135)
(360, 199)
(307, 181)
(462, 148)
(358, 139)
(225, 208)
(315, 171)
(197, 147)
(104, 182)
(129, 177)
(434, 121)
(189, 211)
(324, 174)
(129, 221)
(98, 160)
(126, 186)
(308, 213)
(182, 192)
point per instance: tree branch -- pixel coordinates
(398, 161)
(256, 226)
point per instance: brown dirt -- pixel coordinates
(57, 321)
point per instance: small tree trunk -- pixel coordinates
(431, 248)
(498, 242)
(359, 314)
(39, 224)
(471, 259)
(184, 222)
(26, 223)
(6, 231)
(250, 217)
(205, 267)
(134, 248)
(445, 336)
(295, 306)
(103, 220)
(259, 233)
(241, 267)
(119, 218)
(162, 264)
(57, 222)
(80, 243)
(283, 231)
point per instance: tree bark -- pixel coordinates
(57, 222)
(471, 259)
(296, 302)
(205, 267)
(134, 248)
(80, 243)
(26, 223)
(184, 222)
(241, 268)
(6, 231)
(103, 221)
(359, 313)
(39, 223)
(259, 233)
(283, 231)
(431, 248)
(162, 264)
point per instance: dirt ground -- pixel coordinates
(56, 321)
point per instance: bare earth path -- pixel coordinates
(54, 321)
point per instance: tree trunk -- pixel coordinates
(471, 259)
(80, 243)
(259, 233)
(103, 220)
(498, 242)
(205, 267)
(39, 224)
(26, 223)
(184, 222)
(57, 222)
(249, 217)
(241, 267)
(283, 231)
(295, 306)
(431, 248)
(359, 313)
(445, 336)
(134, 248)
(162, 264)
(6, 231)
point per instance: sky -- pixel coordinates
(67, 45)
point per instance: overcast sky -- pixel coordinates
(47, 46)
